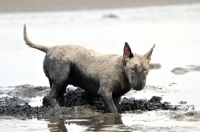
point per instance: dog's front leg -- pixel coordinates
(116, 101)
(106, 96)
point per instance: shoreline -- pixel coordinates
(16, 6)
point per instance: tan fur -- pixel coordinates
(31, 44)
(108, 75)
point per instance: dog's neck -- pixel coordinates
(122, 66)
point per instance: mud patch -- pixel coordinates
(80, 97)
(77, 103)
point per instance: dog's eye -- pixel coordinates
(144, 70)
(133, 69)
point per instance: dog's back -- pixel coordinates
(79, 66)
(87, 67)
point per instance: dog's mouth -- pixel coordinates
(138, 87)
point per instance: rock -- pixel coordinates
(5, 101)
(29, 91)
(79, 97)
(110, 16)
(190, 68)
(179, 71)
(193, 67)
(183, 102)
(154, 66)
(155, 99)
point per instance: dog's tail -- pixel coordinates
(31, 44)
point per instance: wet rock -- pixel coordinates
(80, 97)
(29, 91)
(140, 104)
(183, 102)
(193, 67)
(110, 16)
(4, 101)
(155, 99)
(190, 68)
(171, 84)
(179, 71)
(167, 103)
(21, 94)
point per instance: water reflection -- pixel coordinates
(98, 123)
(57, 126)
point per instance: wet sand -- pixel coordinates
(64, 5)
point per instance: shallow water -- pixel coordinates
(174, 29)
(147, 121)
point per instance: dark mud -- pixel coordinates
(76, 103)
(79, 97)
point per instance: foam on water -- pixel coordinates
(37, 101)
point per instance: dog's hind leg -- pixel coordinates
(52, 96)
(57, 91)
(58, 80)
(60, 97)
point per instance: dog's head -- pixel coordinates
(136, 67)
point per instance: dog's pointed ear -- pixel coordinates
(127, 52)
(148, 54)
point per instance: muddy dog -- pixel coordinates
(108, 75)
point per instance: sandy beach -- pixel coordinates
(104, 26)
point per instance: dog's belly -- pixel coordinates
(89, 84)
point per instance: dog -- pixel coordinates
(107, 75)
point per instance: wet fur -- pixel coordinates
(100, 74)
